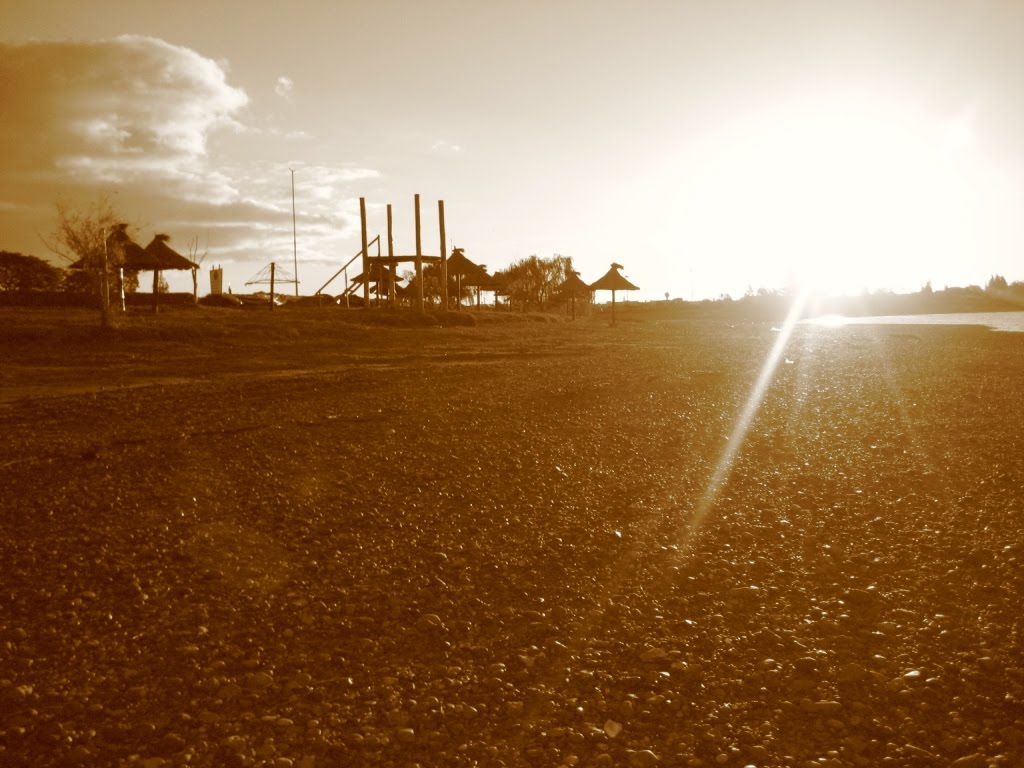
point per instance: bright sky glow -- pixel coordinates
(708, 147)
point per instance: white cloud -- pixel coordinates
(284, 87)
(135, 118)
(110, 107)
(443, 146)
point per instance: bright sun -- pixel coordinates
(831, 200)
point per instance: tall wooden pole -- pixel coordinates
(419, 259)
(392, 268)
(105, 286)
(444, 261)
(366, 255)
(295, 241)
(272, 267)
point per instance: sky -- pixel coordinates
(709, 147)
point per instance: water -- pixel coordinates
(997, 321)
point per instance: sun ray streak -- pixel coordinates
(723, 467)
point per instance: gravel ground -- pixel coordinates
(317, 544)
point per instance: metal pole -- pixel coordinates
(295, 240)
(272, 267)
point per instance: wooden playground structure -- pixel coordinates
(382, 269)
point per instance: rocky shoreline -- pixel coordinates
(497, 546)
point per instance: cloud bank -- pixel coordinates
(136, 116)
(110, 110)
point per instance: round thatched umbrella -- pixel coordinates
(465, 272)
(573, 285)
(613, 281)
(158, 256)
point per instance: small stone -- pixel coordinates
(612, 728)
(830, 708)
(806, 665)
(653, 654)
(977, 760)
(643, 759)
(259, 680)
(851, 673)
(431, 621)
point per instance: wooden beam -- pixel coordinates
(391, 265)
(401, 258)
(419, 258)
(366, 255)
(444, 260)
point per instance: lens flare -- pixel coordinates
(746, 417)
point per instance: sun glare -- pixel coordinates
(830, 200)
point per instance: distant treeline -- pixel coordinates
(997, 296)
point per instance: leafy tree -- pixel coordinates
(532, 282)
(996, 284)
(19, 272)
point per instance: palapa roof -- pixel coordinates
(160, 256)
(119, 241)
(458, 264)
(473, 275)
(573, 283)
(613, 281)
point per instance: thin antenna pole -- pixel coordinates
(295, 239)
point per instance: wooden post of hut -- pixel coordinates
(444, 260)
(419, 258)
(613, 281)
(366, 255)
(392, 268)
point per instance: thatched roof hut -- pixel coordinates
(613, 281)
(160, 256)
(572, 286)
(467, 274)
(122, 251)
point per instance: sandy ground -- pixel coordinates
(292, 540)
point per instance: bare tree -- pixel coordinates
(82, 238)
(196, 258)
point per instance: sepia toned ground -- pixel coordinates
(244, 539)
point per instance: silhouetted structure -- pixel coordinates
(572, 286)
(158, 256)
(271, 275)
(613, 281)
(376, 267)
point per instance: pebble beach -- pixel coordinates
(285, 540)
